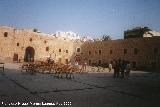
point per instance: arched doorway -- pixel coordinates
(29, 54)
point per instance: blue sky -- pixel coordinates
(86, 17)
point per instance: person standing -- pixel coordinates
(128, 69)
(76, 64)
(85, 65)
(116, 67)
(110, 67)
(122, 65)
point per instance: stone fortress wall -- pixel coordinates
(141, 52)
(16, 44)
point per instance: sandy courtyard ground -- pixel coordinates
(91, 89)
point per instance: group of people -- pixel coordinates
(83, 65)
(121, 68)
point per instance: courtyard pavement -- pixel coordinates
(91, 89)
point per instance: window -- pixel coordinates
(30, 39)
(125, 51)
(47, 48)
(99, 62)
(134, 64)
(66, 51)
(95, 52)
(5, 34)
(17, 44)
(135, 51)
(89, 62)
(111, 51)
(155, 51)
(78, 50)
(60, 50)
(89, 52)
(99, 52)
(45, 41)
(66, 61)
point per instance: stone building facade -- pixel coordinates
(24, 45)
(141, 52)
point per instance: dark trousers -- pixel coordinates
(116, 74)
(122, 73)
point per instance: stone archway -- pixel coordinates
(29, 54)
